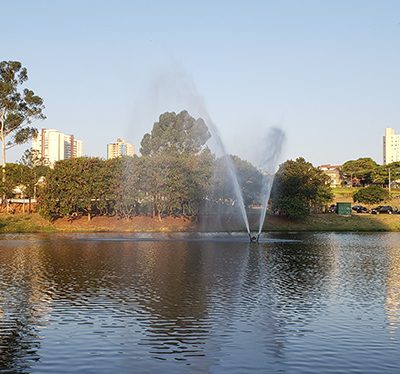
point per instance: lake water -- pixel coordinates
(101, 303)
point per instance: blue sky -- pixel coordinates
(327, 73)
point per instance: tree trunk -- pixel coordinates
(3, 148)
(3, 160)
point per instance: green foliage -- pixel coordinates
(15, 176)
(380, 175)
(176, 184)
(249, 177)
(362, 169)
(77, 186)
(18, 107)
(167, 183)
(371, 195)
(178, 133)
(128, 185)
(394, 170)
(299, 187)
(293, 206)
(31, 158)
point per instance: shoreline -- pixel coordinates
(33, 223)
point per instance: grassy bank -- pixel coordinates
(30, 223)
(343, 194)
(334, 222)
(20, 223)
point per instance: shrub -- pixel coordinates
(370, 195)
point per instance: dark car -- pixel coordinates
(383, 209)
(360, 209)
(332, 208)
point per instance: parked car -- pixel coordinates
(383, 209)
(360, 209)
(332, 208)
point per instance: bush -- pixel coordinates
(371, 195)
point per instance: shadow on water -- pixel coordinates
(175, 294)
(22, 305)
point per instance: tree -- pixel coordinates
(31, 157)
(380, 175)
(179, 133)
(176, 165)
(176, 184)
(361, 168)
(18, 108)
(78, 186)
(128, 185)
(249, 177)
(371, 195)
(15, 177)
(394, 168)
(299, 187)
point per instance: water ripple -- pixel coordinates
(308, 303)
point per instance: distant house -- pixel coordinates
(335, 173)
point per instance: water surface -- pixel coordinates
(102, 303)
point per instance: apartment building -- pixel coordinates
(52, 145)
(119, 148)
(391, 146)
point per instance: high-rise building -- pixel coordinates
(391, 146)
(52, 145)
(119, 148)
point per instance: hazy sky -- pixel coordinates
(326, 72)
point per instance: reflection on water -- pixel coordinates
(76, 303)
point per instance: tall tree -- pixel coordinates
(178, 133)
(300, 187)
(19, 106)
(174, 157)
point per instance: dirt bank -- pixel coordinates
(20, 223)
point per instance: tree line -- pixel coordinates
(176, 175)
(365, 171)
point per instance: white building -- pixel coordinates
(334, 172)
(53, 145)
(391, 146)
(119, 148)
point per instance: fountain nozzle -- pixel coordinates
(254, 239)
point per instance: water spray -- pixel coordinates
(268, 165)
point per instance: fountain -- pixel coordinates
(268, 165)
(230, 167)
(178, 86)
